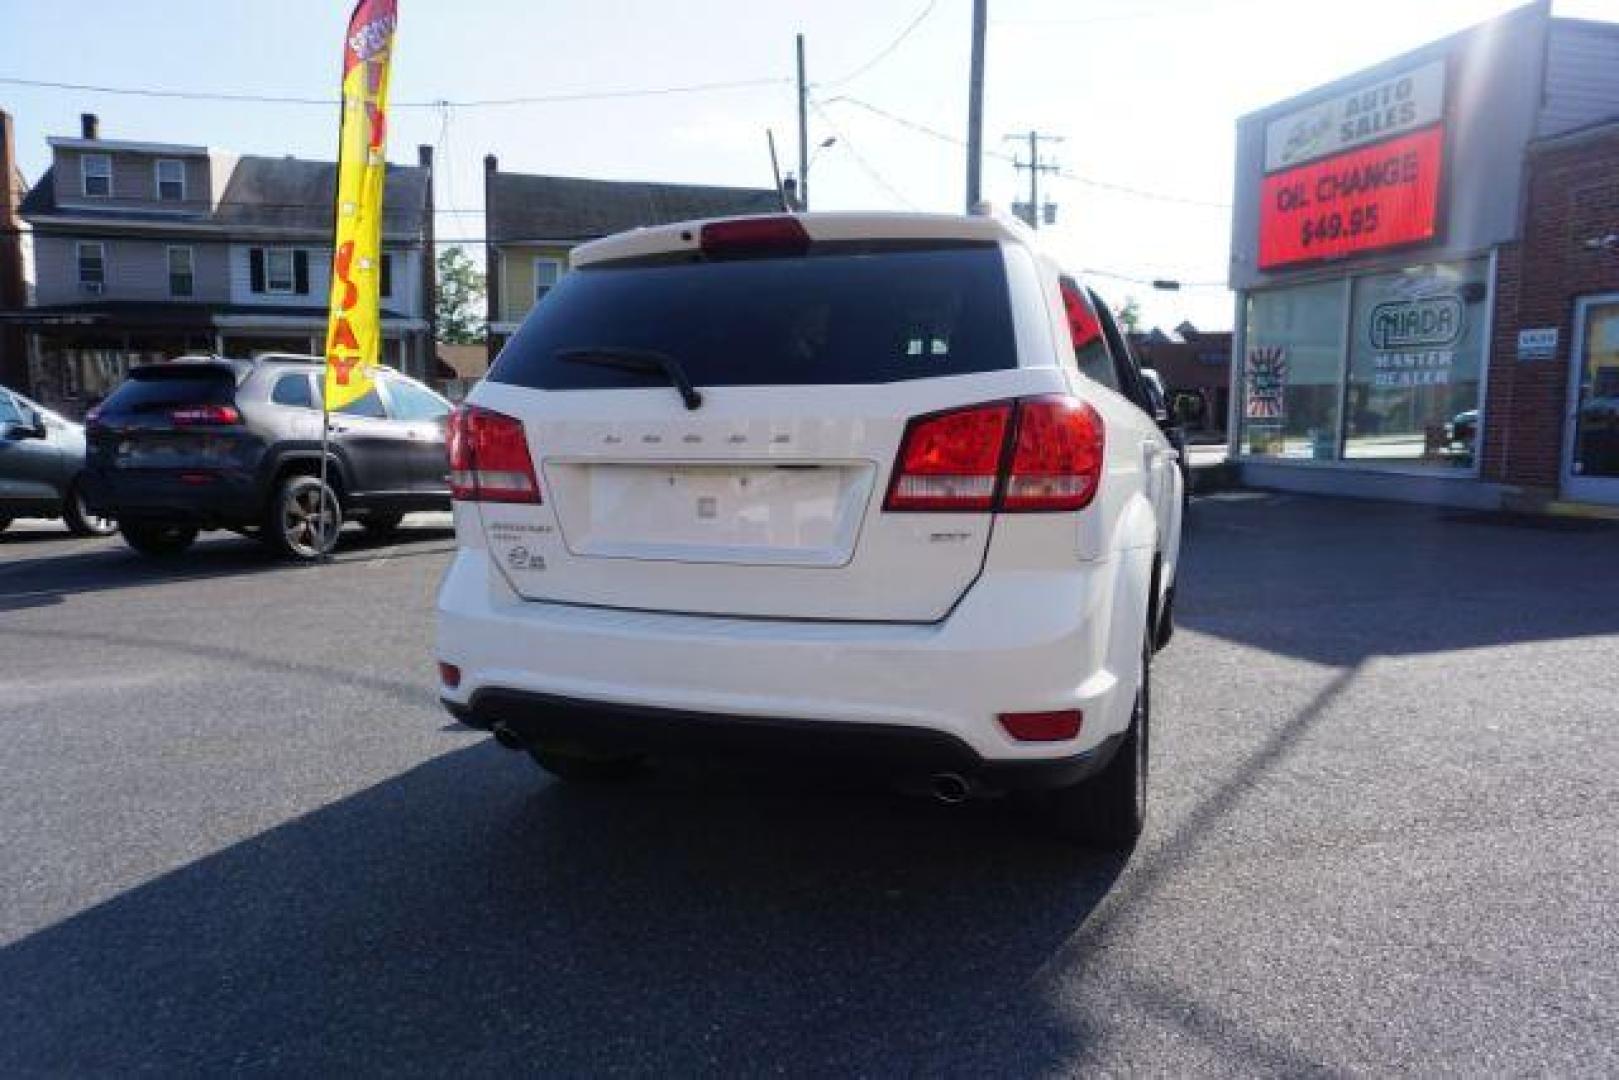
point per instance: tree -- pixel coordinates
(1130, 315)
(459, 303)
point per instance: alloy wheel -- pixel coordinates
(309, 527)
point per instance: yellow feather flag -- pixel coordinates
(354, 326)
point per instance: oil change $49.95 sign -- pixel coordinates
(1374, 197)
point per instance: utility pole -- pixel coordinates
(975, 108)
(1035, 167)
(803, 130)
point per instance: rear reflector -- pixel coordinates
(1043, 726)
(1042, 453)
(205, 414)
(449, 675)
(755, 235)
(489, 458)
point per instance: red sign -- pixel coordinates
(1367, 199)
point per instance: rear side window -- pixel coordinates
(411, 403)
(869, 315)
(159, 389)
(1090, 347)
(294, 390)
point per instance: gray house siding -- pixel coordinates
(135, 270)
(1582, 76)
(134, 182)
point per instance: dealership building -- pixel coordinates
(1426, 262)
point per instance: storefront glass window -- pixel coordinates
(1416, 351)
(1293, 371)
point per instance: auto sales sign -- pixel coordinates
(1357, 173)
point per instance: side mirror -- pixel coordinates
(17, 430)
(1155, 396)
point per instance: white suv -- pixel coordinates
(863, 490)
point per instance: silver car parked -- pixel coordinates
(41, 461)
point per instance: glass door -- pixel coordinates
(1592, 454)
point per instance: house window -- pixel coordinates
(96, 172)
(279, 275)
(92, 267)
(547, 272)
(182, 273)
(386, 286)
(171, 180)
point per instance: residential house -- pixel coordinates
(533, 222)
(145, 251)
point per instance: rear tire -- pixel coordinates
(80, 521)
(581, 768)
(156, 539)
(303, 519)
(381, 525)
(1108, 810)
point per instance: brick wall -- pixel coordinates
(1572, 197)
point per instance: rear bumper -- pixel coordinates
(208, 498)
(873, 749)
(1020, 641)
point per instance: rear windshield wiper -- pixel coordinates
(643, 361)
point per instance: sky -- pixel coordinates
(1144, 95)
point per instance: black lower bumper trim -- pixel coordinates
(894, 750)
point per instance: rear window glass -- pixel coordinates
(843, 317)
(158, 390)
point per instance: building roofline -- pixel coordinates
(676, 185)
(1608, 126)
(64, 142)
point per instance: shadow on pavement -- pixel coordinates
(1343, 580)
(29, 581)
(468, 911)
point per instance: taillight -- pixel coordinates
(1042, 453)
(205, 414)
(951, 461)
(489, 459)
(1056, 456)
(754, 235)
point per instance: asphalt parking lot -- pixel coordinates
(239, 836)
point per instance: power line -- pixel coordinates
(910, 27)
(438, 103)
(865, 166)
(1153, 282)
(1066, 174)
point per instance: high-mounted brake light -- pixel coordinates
(1032, 454)
(205, 414)
(489, 458)
(754, 235)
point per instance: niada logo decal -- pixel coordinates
(1429, 322)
